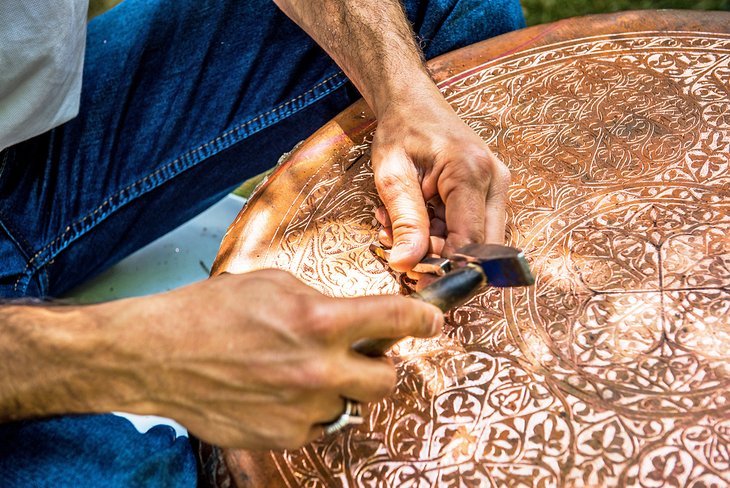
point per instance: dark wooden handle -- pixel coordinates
(449, 291)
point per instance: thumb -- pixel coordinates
(399, 187)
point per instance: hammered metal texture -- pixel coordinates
(614, 368)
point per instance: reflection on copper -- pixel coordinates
(614, 369)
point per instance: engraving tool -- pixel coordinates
(462, 275)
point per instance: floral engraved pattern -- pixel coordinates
(614, 368)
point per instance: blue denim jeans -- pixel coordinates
(182, 100)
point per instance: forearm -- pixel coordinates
(371, 40)
(421, 149)
(56, 360)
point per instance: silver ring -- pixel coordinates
(351, 416)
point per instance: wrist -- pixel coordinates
(61, 360)
(40, 348)
(403, 91)
(118, 368)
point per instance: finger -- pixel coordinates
(425, 281)
(435, 248)
(436, 245)
(437, 205)
(329, 410)
(327, 413)
(414, 275)
(438, 227)
(465, 219)
(399, 187)
(496, 208)
(385, 236)
(381, 215)
(384, 317)
(369, 379)
(318, 429)
(464, 186)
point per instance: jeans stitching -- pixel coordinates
(19, 240)
(68, 233)
(4, 161)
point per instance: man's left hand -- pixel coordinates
(423, 153)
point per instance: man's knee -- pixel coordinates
(445, 25)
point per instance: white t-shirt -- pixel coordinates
(41, 61)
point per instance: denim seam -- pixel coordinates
(15, 236)
(18, 240)
(4, 161)
(178, 165)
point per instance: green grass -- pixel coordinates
(542, 11)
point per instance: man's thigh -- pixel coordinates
(181, 101)
(445, 25)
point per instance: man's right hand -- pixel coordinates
(255, 361)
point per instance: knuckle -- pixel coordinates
(288, 444)
(501, 174)
(478, 169)
(406, 225)
(318, 376)
(298, 314)
(306, 373)
(274, 277)
(409, 221)
(459, 176)
(321, 320)
(481, 171)
(388, 182)
(308, 311)
(267, 274)
(328, 408)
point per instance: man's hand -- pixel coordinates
(422, 151)
(260, 360)
(256, 361)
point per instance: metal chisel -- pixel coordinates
(462, 275)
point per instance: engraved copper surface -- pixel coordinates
(614, 369)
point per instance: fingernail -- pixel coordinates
(401, 250)
(438, 324)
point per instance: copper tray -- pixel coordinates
(614, 369)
